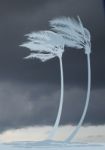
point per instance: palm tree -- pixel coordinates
(45, 45)
(75, 36)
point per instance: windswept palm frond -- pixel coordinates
(37, 47)
(87, 34)
(44, 45)
(42, 57)
(45, 37)
(72, 30)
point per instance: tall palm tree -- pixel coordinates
(45, 45)
(75, 36)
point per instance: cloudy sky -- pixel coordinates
(30, 90)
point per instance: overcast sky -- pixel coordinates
(30, 90)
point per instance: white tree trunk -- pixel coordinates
(54, 130)
(72, 135)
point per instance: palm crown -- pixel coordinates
(44, 45)
(73, 32)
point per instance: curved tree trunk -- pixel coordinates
(72, 135)
(51, 135)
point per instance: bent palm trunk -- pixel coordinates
(51, 135)
(72, 135)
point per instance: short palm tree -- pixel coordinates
(45, 45)
(75, 36)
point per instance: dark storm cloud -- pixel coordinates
(29, 89)
(37, 105)
(23, 105)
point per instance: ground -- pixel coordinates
(52, 146)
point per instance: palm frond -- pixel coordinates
(87, 34)
(45, 37)
(72, 30)
(40, 56)
(37, 47)
(67, 22)
(44, 45)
